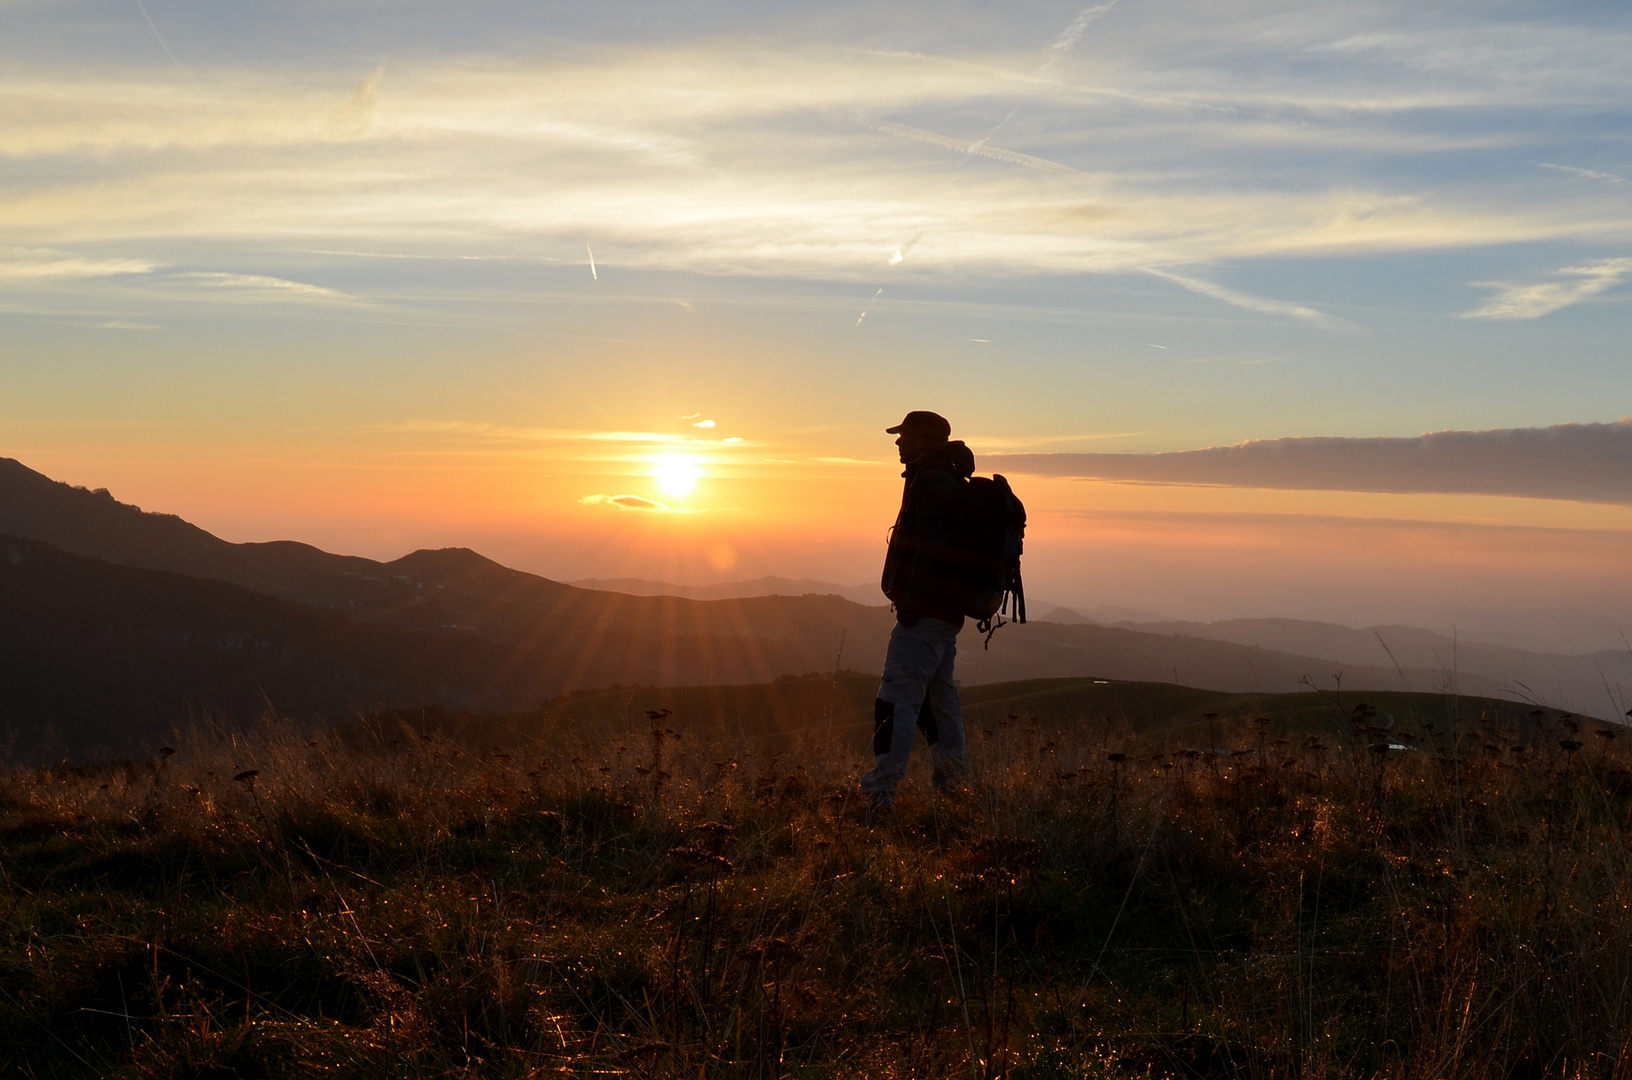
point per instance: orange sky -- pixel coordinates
(1183, 551)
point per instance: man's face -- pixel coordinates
(912, 445)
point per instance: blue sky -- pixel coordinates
(267, 240)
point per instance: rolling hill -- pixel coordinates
(836, 708)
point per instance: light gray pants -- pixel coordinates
(917, 692)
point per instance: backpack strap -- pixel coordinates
(1014, 605)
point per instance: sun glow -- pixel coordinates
(676, 474)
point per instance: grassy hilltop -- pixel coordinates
(1142, 880)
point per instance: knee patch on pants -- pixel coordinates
(884, 725)
(926, 723)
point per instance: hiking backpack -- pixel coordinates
(993, 530)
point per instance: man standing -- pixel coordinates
(921, 578)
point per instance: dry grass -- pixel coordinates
(391, 903)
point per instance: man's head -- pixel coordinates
(919, 433)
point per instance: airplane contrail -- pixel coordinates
(592, 272)
(979, 145)
(160, 39)
(1249, 302)
(887, 127)
(1069, 36)
(870, 304)
(1060, 46)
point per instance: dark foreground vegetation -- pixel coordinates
(1405, 888)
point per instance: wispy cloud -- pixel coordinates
(1203, 135)
(628, 437)
(626, 502)
(725, 159)
(121, 324)
(1004, 442)
(260, 286)
(355, 118)
(1249, 302)
(1585, 174)
(638, 502)
(25, 264)
(514, 434)
(1533, 299)
(1581, 462)
(510, 433)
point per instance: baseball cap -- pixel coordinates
(921, 422)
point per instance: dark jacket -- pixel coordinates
(920, 575)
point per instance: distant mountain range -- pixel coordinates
(1489, 644)
(1552, 632)
(867, 595)
(115, 622)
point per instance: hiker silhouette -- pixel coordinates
(927, 584)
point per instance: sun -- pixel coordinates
(676, 474)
